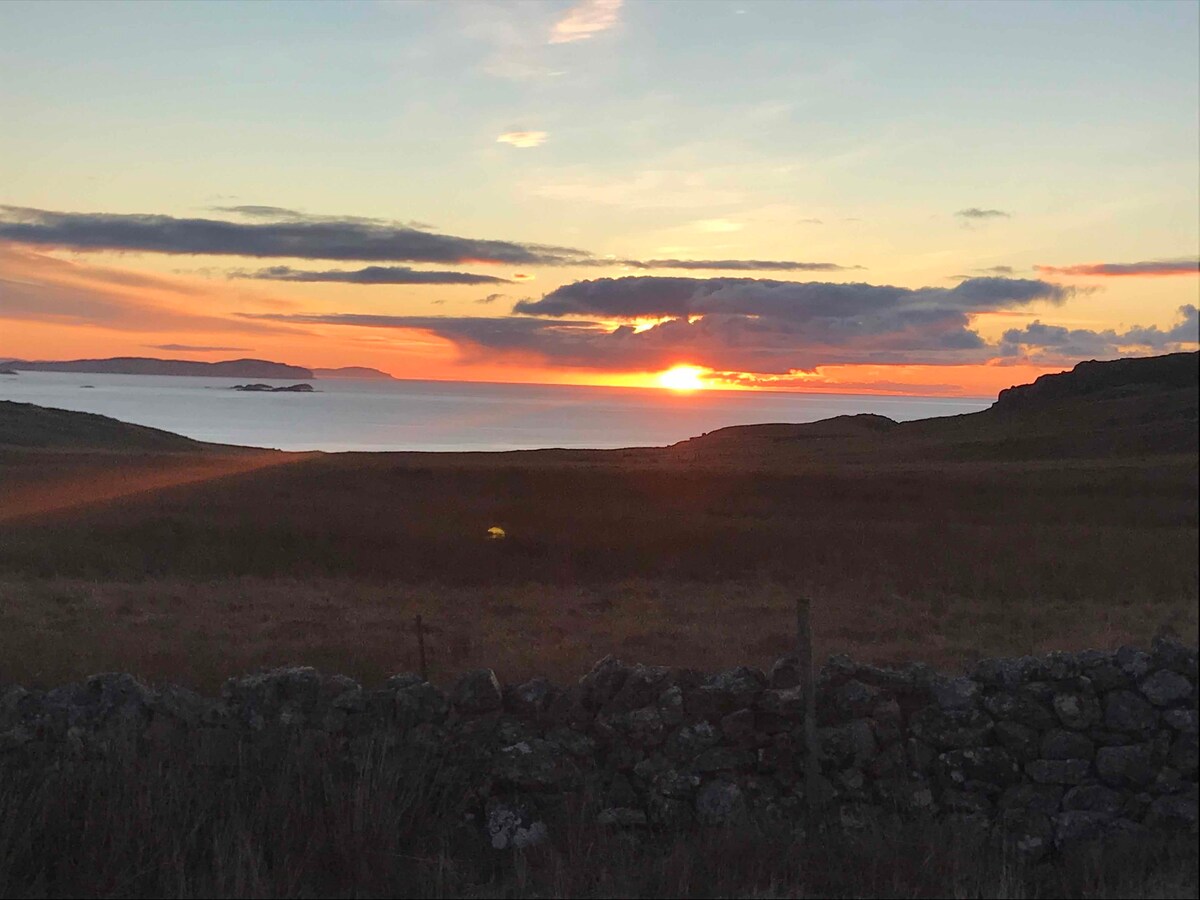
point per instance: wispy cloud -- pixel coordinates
(370, 275)
(975, 212)
(746, 265)
(192, 348)
(522, 139)
(39, 288)
(584, 20)
(1150, 267)
(490, 298)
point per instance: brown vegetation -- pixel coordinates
(297, 826)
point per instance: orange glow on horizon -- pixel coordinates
(683, 379)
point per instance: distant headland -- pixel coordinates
(230, 368)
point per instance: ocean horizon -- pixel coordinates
(443, 416)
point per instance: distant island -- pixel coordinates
(353, 372)
(268, 389)
(230, 368)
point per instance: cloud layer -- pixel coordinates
(304, 238)
(729, 324)
(1149, 267)
(285, 233)
(1038, 340)
(371, 275)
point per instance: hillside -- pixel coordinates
(139, 365)
(1098, 410)
(26, 426)
(353, 372)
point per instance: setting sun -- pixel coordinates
(682, 378)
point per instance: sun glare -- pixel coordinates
(682, 378)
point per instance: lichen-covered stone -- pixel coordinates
(1064, 747)
(512, 827)
(738, 726)
(1123, 766)
(955, 694)
(1174, 812)
(1062, 744)
(1133, 662)
(1020, 740)
(978, 765)
(1128, 712)
(1077, 710)
(1021, 708)
(530, 699)
(535, 765)
(477, 692)
(850, 743)
(1044, 799)
(947, 730)
(603, 682)
(1074, 826)
(785, 673)
(1094, 798)
(419, 704)
(852, 700)
(719, 802)
(1059, 771)
(1166, 688)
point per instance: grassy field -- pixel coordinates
(654, 557)
(1058, 527)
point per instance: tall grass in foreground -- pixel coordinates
(301, 828)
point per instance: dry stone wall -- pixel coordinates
(1042, 750)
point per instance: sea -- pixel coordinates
(374, 415)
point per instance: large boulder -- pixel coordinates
(1166, 688)
(601, 684)
(477, 693)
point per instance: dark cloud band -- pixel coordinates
(729, 324)
(371, 275)
(346, 239)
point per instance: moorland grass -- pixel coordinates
(296, 826)
(327, 560)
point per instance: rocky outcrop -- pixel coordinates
(1042, 750)
(268, 389)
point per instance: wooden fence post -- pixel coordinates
(804, 656)
(421, 649)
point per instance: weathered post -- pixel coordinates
(804, 659)
(421, 649)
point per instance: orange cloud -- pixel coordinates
(522, 139)
(585, 20)
(1157, 267)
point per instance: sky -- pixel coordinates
(925, 198)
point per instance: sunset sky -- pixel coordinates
(924, 198)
